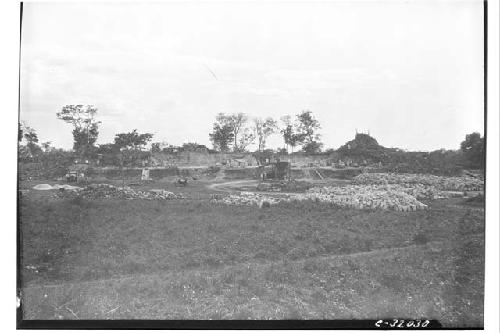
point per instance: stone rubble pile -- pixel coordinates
(387, 197)
(107, 191)
(366, 197)
(247, 198)
(418, 191)
(465, 183)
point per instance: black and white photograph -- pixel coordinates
(316, 163)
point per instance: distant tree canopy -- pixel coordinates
(230, 131)
(222, 137)
(29, 135)
(263, 129)
(132, 140)
(192, 146)
(290, 132)
(473, 150)
(308, 126)
(85, 126)
(312, 147)
(365, 148)
(108, 148)
(301, 132)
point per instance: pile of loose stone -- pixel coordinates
(108, 191)
(386, 197)
(465, 183)
(366, 197)
(247, 198)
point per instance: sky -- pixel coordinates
(408, 72)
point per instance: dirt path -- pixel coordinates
(229, 186)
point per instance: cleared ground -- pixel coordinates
(191, 259)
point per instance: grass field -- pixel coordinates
(192, 259)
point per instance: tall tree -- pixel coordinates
(290, 132)
(247, 137)
(263, 129)
(85, 126)
(29, 135)
(231, 126)
(221, 137)
(242, 136)
(307, 125)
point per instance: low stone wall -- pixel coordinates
(246, 173)
(186, 158)
(154, 173)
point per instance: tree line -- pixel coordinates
(235, 132)
(230, 133)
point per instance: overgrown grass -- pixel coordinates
(193, 259)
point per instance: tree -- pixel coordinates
(31, 140)
(132, 140)
(192, 146)
(234, 123)
(473, 150)
(291, 136)
(247, 137)
(221, 137)
(307, 125)
(109, 154)
(130, 146)
(85, 126)
(263, 129)
(312, 147)
(155, 147)
(30, 135)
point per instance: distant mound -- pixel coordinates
(363, 147)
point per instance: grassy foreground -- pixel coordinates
(190, 259)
